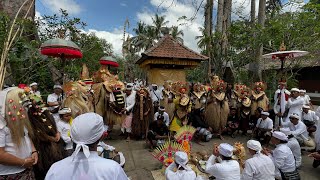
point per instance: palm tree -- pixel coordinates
(176, 33)
(159, 25)
(204, 40)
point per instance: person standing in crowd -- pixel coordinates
(17, 152)
(299, 130)
(263, 128)
(157, 133)
(54, 101)
(259, 166)
(220, 163)
(34, 89)
(183, 172)
(203, 131)
(294, 145)
(282, 157)
(281, 97)
(309, 118)
(233, 122)
(130, 99)
(64, 127)
(307, 99)
(295, 103)
(161, 111)
(86, 132)
(156, 96)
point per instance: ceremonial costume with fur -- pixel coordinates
(167, 101)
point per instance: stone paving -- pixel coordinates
(140, 162)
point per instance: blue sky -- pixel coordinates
(106, 18)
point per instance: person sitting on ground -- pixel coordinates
(220, 163)
(86, 132)
(233, 122)
(64, 127)
(161, 111)
(299, 130)
(282, 157)
(157, 133)
(259, 166)
(294, 145)
(263, 128)
(309, 118)
(203, 131)
(183, 172)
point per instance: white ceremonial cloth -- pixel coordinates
(166, 118)
(299, 130)
(310, 116)
(179, 174)
(283, 158)
(294, 146)
(225, 170)
(81, 167)
(259, 167)
(130, 100)
(64, 128)
(295, 106)
(265, 124)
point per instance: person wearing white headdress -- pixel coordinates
(309, 118)
(263, 128)
(34, 89)
(130, 100)
(156, 96)
(85, 163)
(183, 172)
(299, 130)
(54, 101)
(294, 145)
(282, 157)
(307, 99)
(259, 166)
(295, 103)
(64, 127)
(162, 112)
(281, 97)
(221, 165)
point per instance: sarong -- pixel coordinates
(27, 174)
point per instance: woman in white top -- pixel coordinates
(17, 152)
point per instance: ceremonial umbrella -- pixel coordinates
(283, 55)
(108, 61)
(61, 48)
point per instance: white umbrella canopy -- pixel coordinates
(285, 54)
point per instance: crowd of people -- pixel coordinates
(63, 133)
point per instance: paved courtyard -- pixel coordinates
(140, 162)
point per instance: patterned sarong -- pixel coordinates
(294, 175)
(24, 175)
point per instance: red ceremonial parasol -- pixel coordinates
(61, 48)
(282, 55)
(108, 61)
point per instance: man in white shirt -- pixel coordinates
(299, 130)
(64, 127)
(34, 89)
(259, 166)
(161, 111)
(220, 163)
(263, 128)
(295, 103)
(306, 97)
(281, 97)
(130, 100)
(54, 101)
(86, 131)
(309, 118)
(294, 145)
(156, 96)
(183, 172)
(282, 157)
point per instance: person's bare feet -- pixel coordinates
(128, 139)
(220, 136)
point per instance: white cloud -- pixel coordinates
(293, 6)
(71, 6)
(123, 4)
(115, 38)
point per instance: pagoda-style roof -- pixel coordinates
(169, 48)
